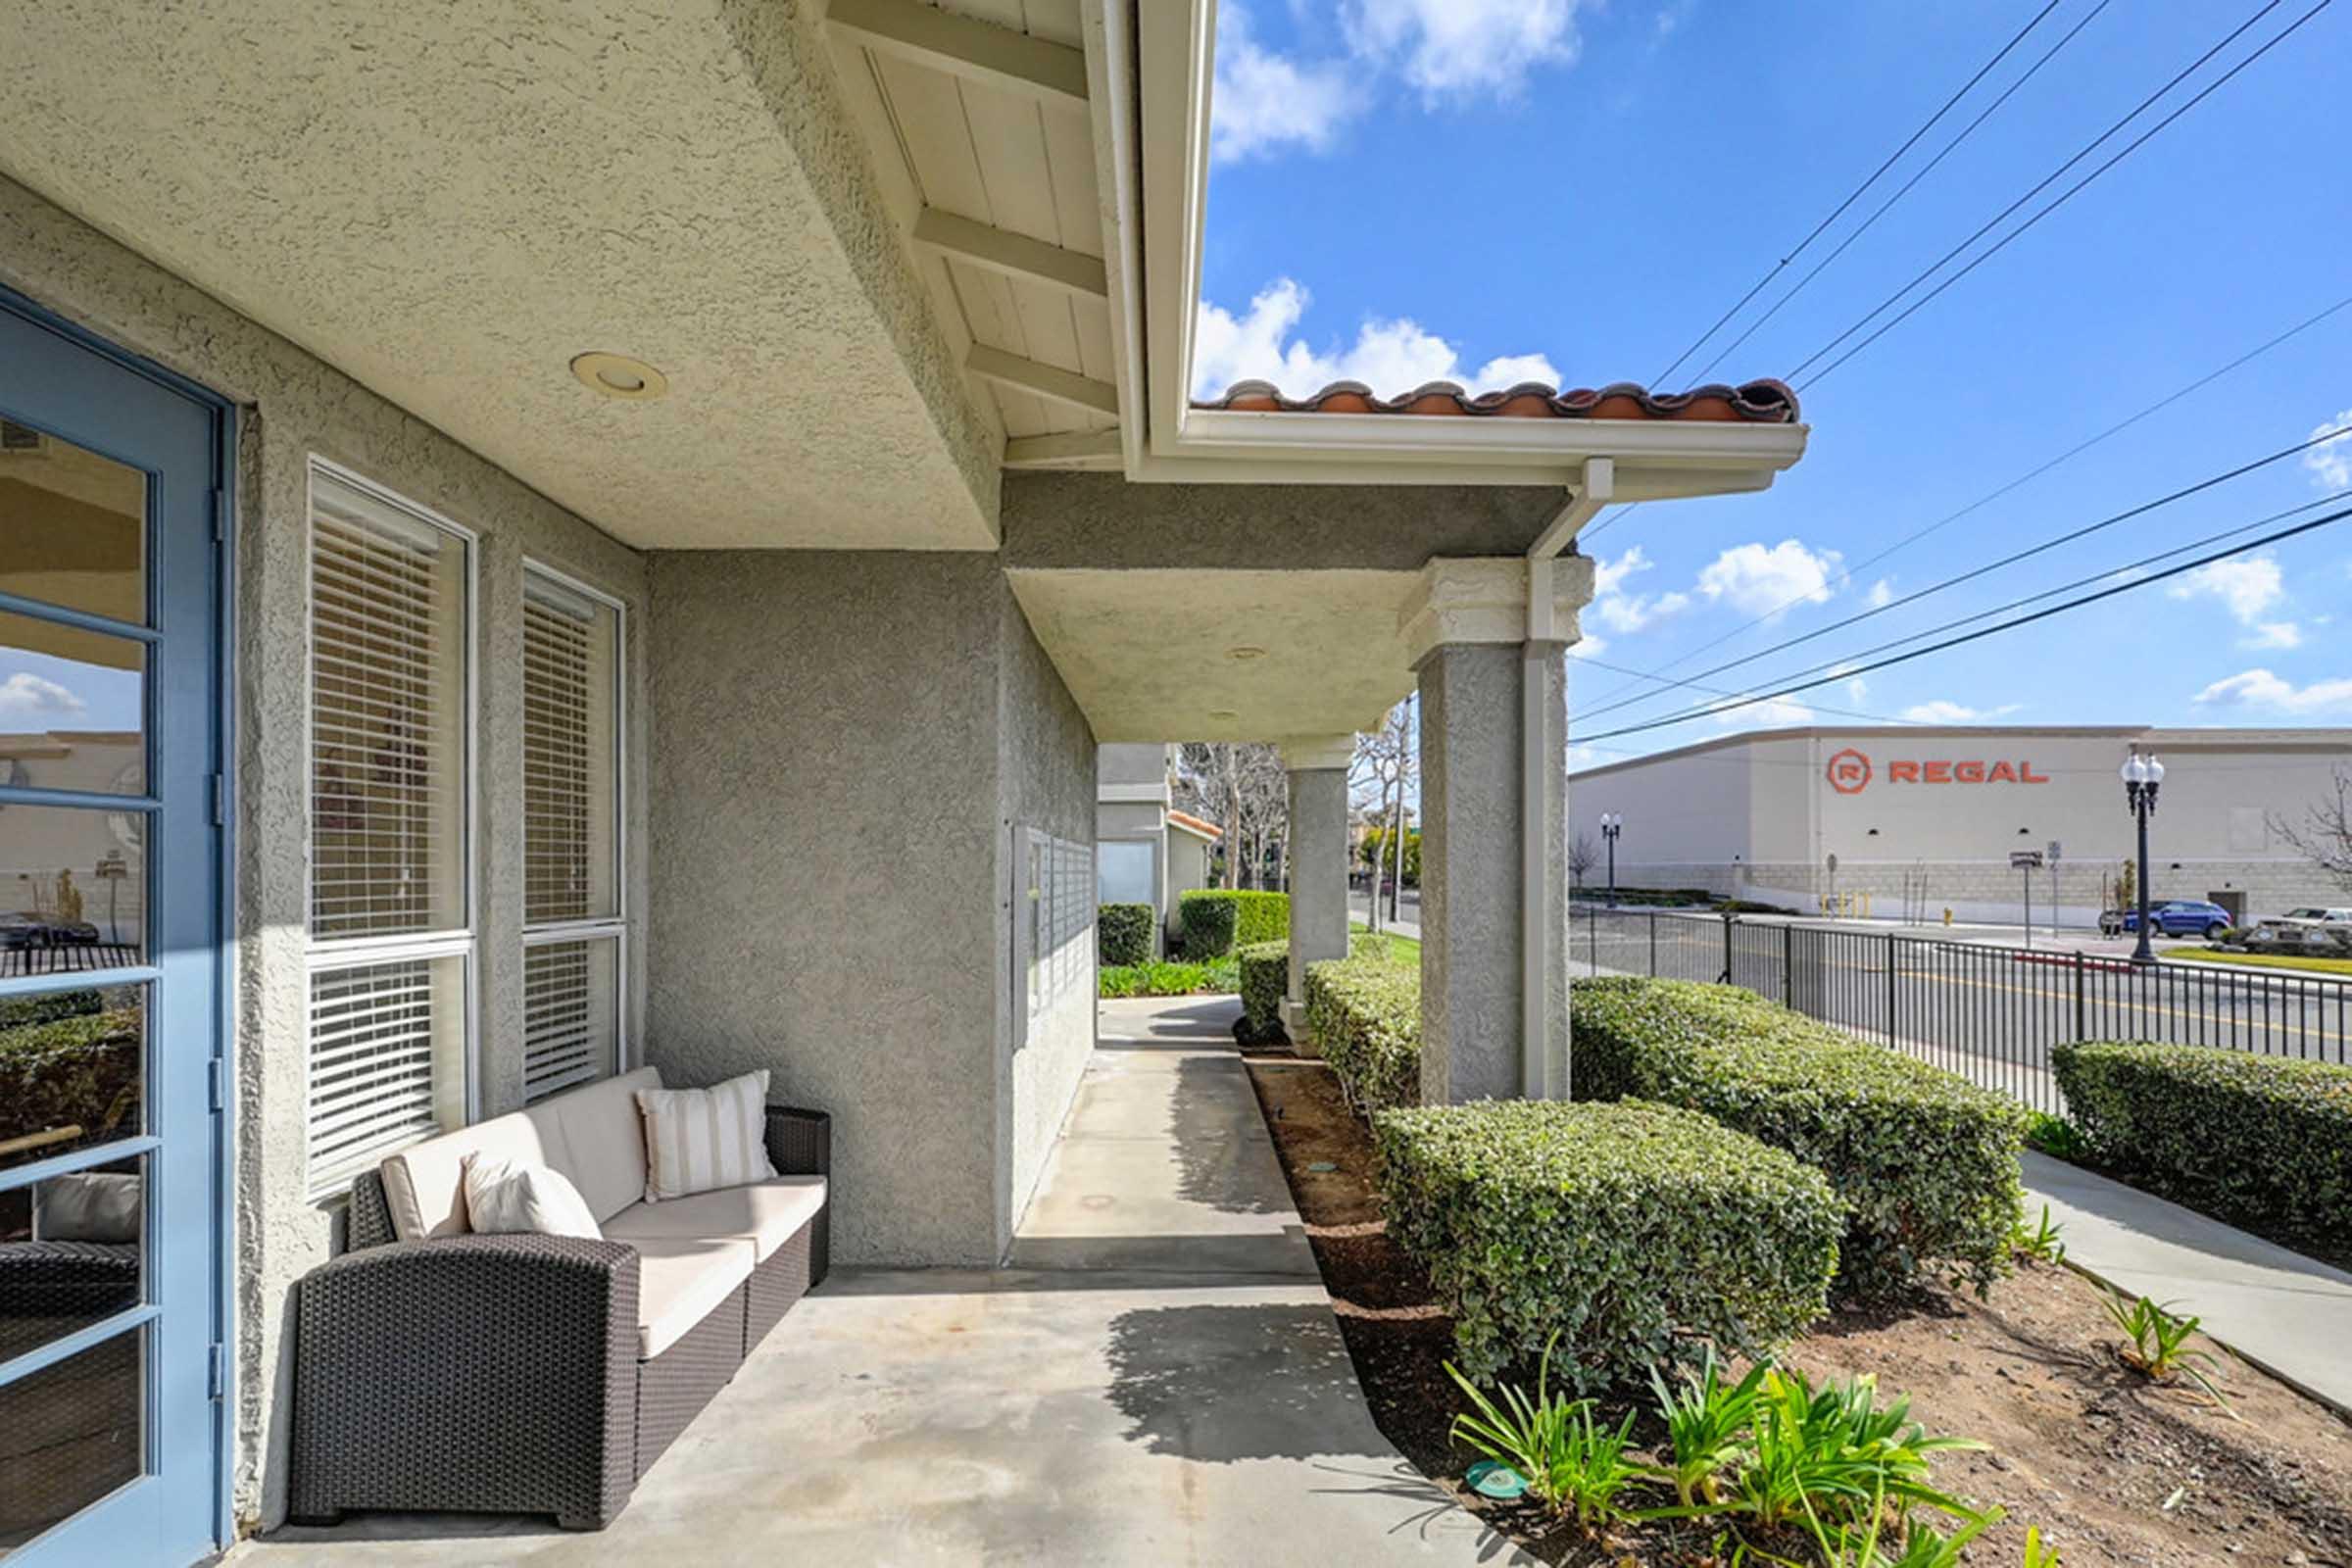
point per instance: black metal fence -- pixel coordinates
(65, 958)
(1989, 1013)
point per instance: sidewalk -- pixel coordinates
(2286, 1314)
(1156, 1376)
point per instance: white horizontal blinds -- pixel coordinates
(388, 734)
(1062, 919)
(391, 780)
(571, 1013)
(570, 809)
(387, 1048)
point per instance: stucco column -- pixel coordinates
(1318, 857)
(1493, 1011)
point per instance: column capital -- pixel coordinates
(1483, 599)
(1305, 752)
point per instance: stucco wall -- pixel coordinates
(292, 406)
(840, 743)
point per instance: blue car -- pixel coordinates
(2173, 917)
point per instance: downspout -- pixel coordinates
(1544, 901)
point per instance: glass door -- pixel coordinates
(112, 1221)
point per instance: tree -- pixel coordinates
(1384, 769)
(1583, 856)
(2325, 835)
(1242, 788)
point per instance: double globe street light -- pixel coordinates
(1611, 824)
(2141, 775)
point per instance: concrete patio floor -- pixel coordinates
(1155, 1377)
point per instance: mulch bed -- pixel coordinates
(2113, 1470)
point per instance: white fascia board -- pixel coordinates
(1176, 64)
(1132, 793)
(1404, 438)
(1108, 29)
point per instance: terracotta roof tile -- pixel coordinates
(1764, 402)
(1195, 827)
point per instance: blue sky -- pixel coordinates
(1492, 190)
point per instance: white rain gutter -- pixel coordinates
(1544, 901)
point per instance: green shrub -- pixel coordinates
(1156, 978)
(2262, 1142)
(1926, 1161)
(1265, 971)
(1216, 920)
(75, 1069)
(49, 1007)
(1365, 1014)
(1382, 948)
(1123, 933)
(1638, 1234)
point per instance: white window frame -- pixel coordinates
(460, 942)
(612, 928)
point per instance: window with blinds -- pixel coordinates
(574, 925)
(391, 779)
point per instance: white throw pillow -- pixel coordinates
(699, 1139)
(87, 1207)
(504, 1197)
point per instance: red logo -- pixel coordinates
(1848, 771)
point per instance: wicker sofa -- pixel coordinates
(437, 1369)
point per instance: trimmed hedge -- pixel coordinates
(1123, 933)
(1216, 920)
(1265, 980)
(2262, 1142)
(1634, 1231)
(1926, 1161)
(74, 1068)
(1365, 1014)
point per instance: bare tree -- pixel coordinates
(1384, 769)
(2325, 835)
(1243, 789)
(1583, 856)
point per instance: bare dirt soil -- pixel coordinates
(2115, 1470)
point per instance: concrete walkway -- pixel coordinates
(1155, 1377)
(2283, 1311)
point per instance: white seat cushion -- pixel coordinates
(680, 1279)
(764, 1214)
(605, 1137)
(424, 1183)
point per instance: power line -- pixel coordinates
(1718, 691)
(1856, 194)
(1979, 634)
(2076, 450)
(1927, 168)
(2010, 560)
(1838, 668)
(2060, 201)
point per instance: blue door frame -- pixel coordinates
(57, 379)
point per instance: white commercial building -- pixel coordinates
(1912, 821)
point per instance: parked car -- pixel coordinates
(2311, 915)
(2174, 917)
(18, 931)
(2311, 930)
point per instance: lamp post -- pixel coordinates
(1611, 824)
(2141, 775)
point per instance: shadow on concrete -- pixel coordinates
(1201, 1018)
(2160, 1219)
(1437, 1512)
(1221, 1160)
(1222, 1383)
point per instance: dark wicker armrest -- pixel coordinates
(492, 1373)
(799, 1143)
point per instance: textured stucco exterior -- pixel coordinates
(1473, 1012)
(449, 203)
(842, 742)
(1756, 815)
(290, 407)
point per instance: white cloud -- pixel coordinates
(1588, 645)
(1620, 610)
(2248, 584)
(1881, 593)
(1264, 100)
(29, 695)
(2275, 634)
(1457, 49)
(1944, 711)
(1764, 581)
(1777, 712)
(2330, 463)
(2258, 688)
(1391, 357)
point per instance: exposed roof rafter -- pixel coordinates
(999, 250)
(1044, 381)
(960, 46)
(1075, 449)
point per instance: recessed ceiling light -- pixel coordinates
(1244, 652)
(616, 375)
